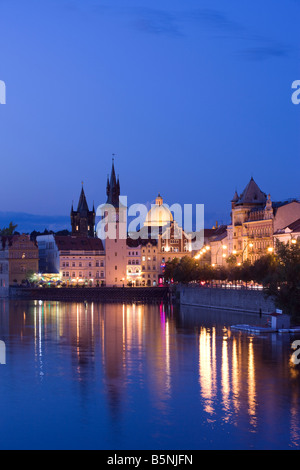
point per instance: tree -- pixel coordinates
(231, 260)
(8, 231)
(186, 270)
(263, 268)
(30, 276)
(283, 282)
(246, 272)
(170, 269)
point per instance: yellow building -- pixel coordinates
(254, 220)
(22, 255)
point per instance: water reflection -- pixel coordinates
(145, 360)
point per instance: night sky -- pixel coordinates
(193, 97)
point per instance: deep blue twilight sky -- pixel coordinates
(193, 97)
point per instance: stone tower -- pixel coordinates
(116, 234)
(83, 220)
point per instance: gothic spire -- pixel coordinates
(113, 188)
(82, 204)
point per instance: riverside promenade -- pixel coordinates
(93, 294)
(236, 299)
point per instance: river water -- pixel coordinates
(94, 376)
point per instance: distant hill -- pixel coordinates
(29, 222)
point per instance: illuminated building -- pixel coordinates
(22, 257)
(76, 260)
(254, 220)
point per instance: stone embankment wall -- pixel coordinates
(244, 300)
(93, 294)
(4, 292)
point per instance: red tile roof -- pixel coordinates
(69, 243)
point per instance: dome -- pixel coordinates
(159, 214)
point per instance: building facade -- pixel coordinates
(21, 255)
(72, 259)
(255, 219)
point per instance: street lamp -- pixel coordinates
(224, 247)
(248, 244)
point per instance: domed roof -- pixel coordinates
(159, 214)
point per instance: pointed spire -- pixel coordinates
(235, 197)
(82, 204)
(113, 188)
(252, 194)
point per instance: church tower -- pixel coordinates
(116, 234)
(83, 220)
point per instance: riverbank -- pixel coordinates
(93, 294)
(244, 300)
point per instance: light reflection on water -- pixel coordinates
(143, 377)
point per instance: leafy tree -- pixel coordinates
(8, 231)
(283, 283)
(231, 260)
(246, 272)
(170, 269)
(30, 275)
(263, 268)
(186, 270)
